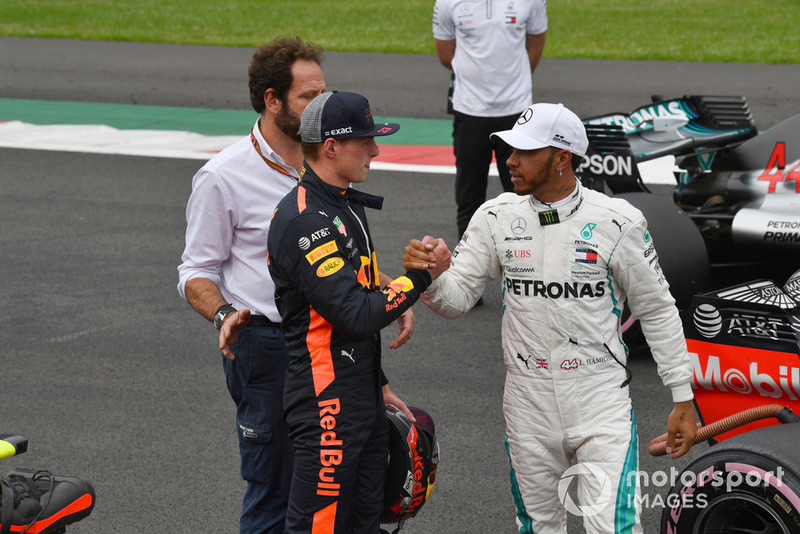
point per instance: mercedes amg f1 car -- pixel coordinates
(738, 187)
(744, 346)
(726, 240)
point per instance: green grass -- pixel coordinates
(748, 31)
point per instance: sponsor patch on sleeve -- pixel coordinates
(321, 251)
(398, 286)
(330, 266)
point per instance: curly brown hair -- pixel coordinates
(271, 67)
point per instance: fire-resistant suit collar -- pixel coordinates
(339, 195)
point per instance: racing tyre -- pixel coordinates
(747, 484)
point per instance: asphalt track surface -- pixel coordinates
(111, 376)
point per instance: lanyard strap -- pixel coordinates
(267, 161)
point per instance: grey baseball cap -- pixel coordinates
(336, 115)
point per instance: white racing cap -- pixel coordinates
(542, 125)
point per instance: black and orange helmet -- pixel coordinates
(413, 458)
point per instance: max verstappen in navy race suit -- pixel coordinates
(327, 289)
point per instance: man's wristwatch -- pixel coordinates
(222, 312)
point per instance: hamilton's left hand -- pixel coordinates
(681, 429)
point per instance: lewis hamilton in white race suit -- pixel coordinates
(569, 257)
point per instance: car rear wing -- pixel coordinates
(692, 129)
(610, 160)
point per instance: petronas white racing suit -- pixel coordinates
(566, 273)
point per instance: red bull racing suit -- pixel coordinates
(567, 272)
(326, 286)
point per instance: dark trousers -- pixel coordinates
(255, 381)
(473, 150)
(338, 488)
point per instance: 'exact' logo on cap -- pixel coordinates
(526, 116)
